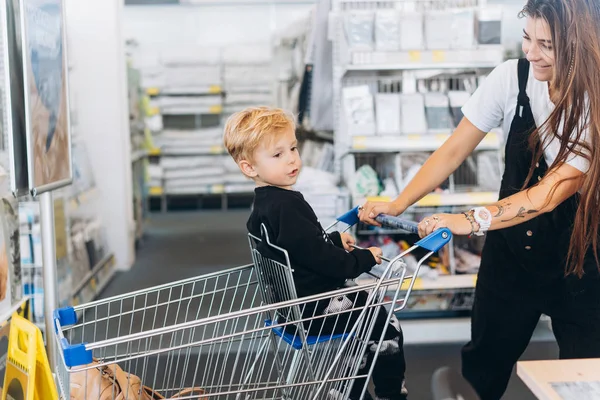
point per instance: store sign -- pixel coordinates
(46, 95)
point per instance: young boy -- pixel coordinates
(262, 141)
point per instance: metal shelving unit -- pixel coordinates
(408, 72)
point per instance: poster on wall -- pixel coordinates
(46, 100)
(12, 97)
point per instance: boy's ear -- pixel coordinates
(247, 168)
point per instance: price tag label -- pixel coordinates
(218, 189)
(153, 111)
(413, 137)
(214, 89)
(438, 56)
(359, 143)
(215, 109)
(417, 286)
(156, 191)
(152, 91)
(414, 56)
(216, 150)
(431, 200)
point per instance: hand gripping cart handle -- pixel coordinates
(432, 243)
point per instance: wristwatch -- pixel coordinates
(483, 217)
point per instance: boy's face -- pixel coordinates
(275, 163)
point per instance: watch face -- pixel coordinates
(483, 214)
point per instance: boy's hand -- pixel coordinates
(347, 241)
(377, 253)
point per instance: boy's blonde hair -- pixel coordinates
(246, 129)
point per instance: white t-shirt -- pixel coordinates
(494, 104)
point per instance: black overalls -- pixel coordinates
(522, 276)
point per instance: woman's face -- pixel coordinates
(539, 49)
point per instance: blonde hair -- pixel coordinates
(246, 129)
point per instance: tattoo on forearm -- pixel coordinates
(503, 207)
(500, 210)
(521, 214)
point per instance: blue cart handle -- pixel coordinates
(433, 242)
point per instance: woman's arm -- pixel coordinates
(443, 162)
(557, 186)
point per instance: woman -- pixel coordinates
(540, 252)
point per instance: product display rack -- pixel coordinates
(404, 72)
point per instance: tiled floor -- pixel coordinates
(182, 245)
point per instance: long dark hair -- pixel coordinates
(575, 27)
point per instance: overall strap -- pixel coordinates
(523, 73)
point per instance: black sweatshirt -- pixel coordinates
(319, 260)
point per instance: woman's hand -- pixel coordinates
(457, 223)
(371, 209)
(347, 241)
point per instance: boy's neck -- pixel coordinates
(265, 184)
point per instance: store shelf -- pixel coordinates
(426, 142)
(482, 57)
(458, 199)
(443, 282)
(449, 199)
(188, 90)
(213, 150)
(215, 109)
(91, 279)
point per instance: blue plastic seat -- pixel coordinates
(296, 342)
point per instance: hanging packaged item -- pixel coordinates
(359, 110)
(411, 31)
(413, 114)
(489, 25)
(387, 110)
(458, 98)
(438, 25)
(359, 26)
(387, 30)
(437, 110)
(463, 29)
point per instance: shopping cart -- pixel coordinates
(238, 334)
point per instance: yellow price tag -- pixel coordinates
(413, 138)
(156, 191)
(153, 111)
(414, 56)
(215, 109)
(491, 137)
(359, 143)
(154, 151)
(216, 149)
(438, 56)
(217, 189)
(153, 91)
(214, 89)
(417, 286)
(474, 280)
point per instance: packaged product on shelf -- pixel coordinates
(438, 24)
(359, 110)
(410, 164)
(413, 114)
(489, 170)
(359, 26)
(366, 183)
(458, 98)
(411, 31)
(437, 110)
(463, 29)
(387, 112)
(489, 25)
(387, 30)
